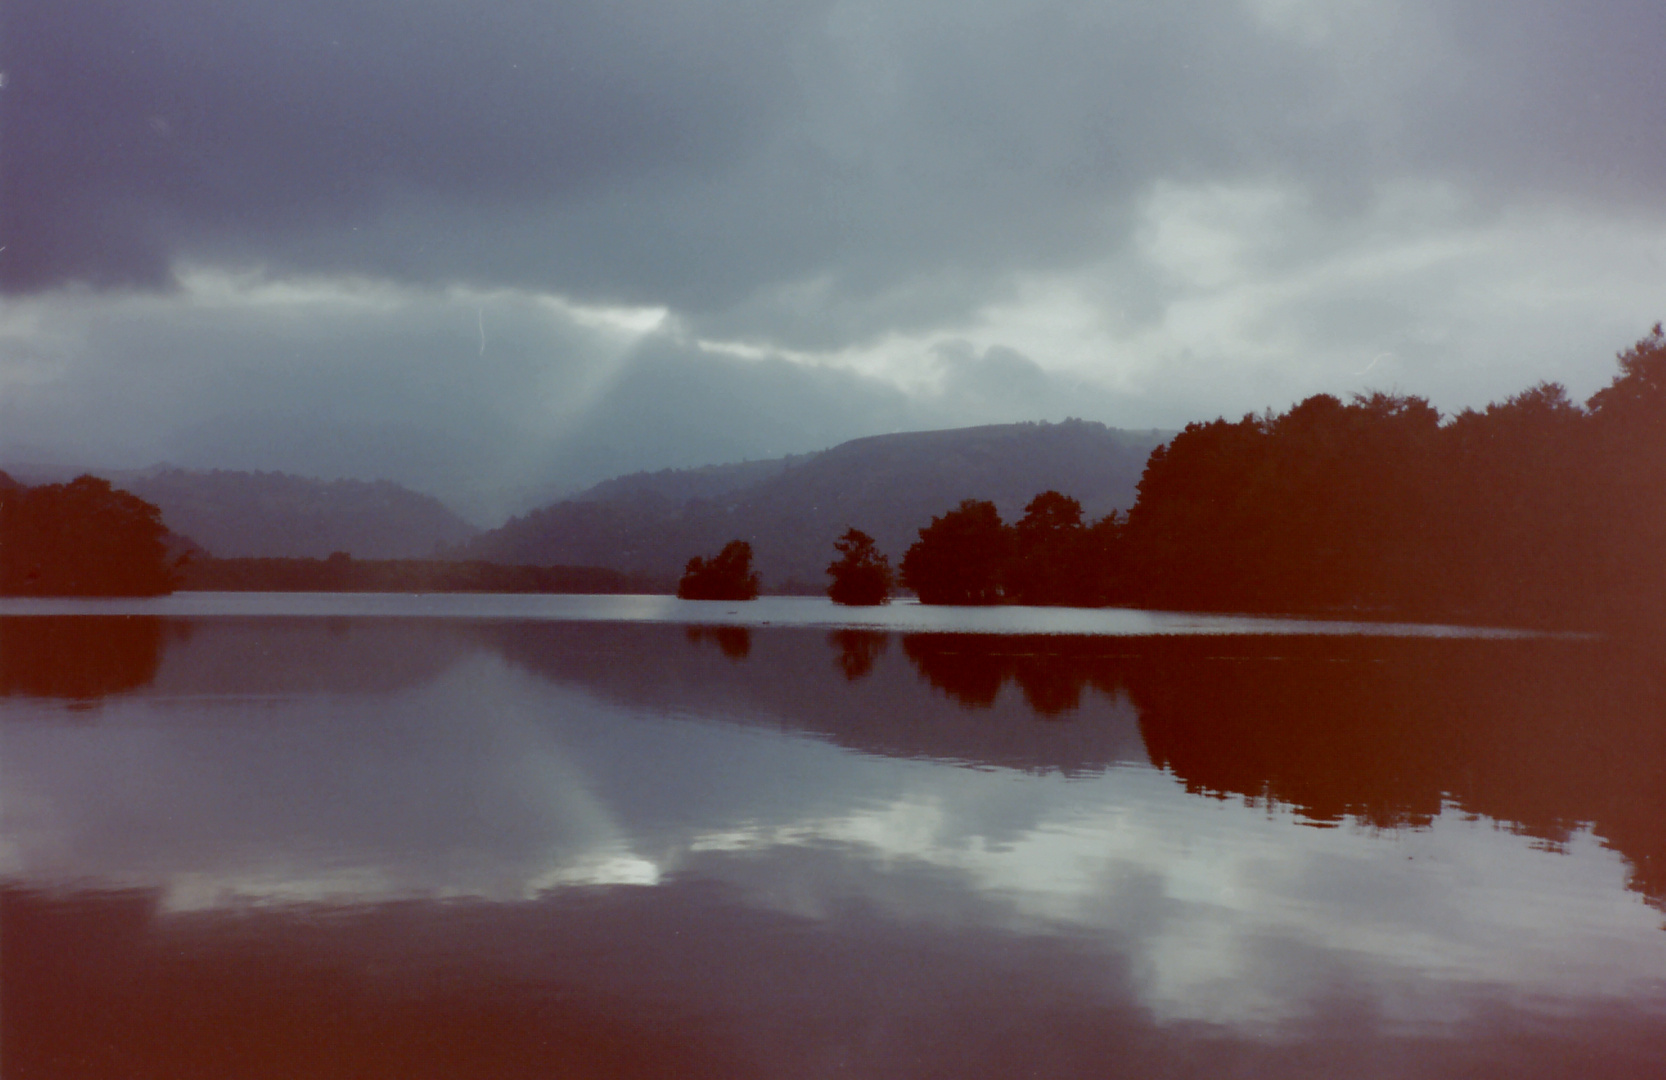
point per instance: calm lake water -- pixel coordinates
(366, 836)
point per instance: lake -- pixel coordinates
(516, 836)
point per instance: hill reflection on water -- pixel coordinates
(1545, 735)
(407, 847)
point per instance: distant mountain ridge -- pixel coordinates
(251, 515)
(792, 509)
(702, 482)
(270, 514)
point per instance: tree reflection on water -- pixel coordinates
(830, 881)
(735, 642)
(858, 649)
(1545, 735)
(79, 658)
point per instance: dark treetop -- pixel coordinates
(83, 538)
(861, 575)
(1536, 510)
(728, 575)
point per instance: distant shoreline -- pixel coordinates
(341, 573)
(906, 616)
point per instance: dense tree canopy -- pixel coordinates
(1300, 506)
(83, 538)
(960, 557)
(1050, 556)
(1059, 559)
(728, 575)
(861, 575)
(1533, 509)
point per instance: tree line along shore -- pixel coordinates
(1537, 509)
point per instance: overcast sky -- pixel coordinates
(495, 250)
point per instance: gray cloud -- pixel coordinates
(140, 133)
(367, 384)
(492, 401)
(991, 211)
(697, 153)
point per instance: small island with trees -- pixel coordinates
(861, 576)
(728, 575)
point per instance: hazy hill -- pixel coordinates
(680, 485)
(259, 514)
(887, 485)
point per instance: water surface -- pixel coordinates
(901, 615)
(397, 839)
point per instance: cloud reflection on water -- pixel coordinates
(512, 761)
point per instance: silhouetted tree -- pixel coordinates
(861, 575)
(83, 538)
(1637, 395)
(1512, 507)
(728, 575)
(1057, 559)
(1531, 510)
(1320, 506)
(960, 557)
(1626, 453)
(1107, 579)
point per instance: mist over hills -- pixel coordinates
(268, 514)
(702, 482)
(792, 509)
(789, 508)
(244, 514)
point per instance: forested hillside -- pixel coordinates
(680, 485)
(887, 485)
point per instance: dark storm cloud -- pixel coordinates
(1562, 96)
(429, 240)
(137, 132)
(699, 154)
(494, 402)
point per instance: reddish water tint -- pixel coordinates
(409, 847)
